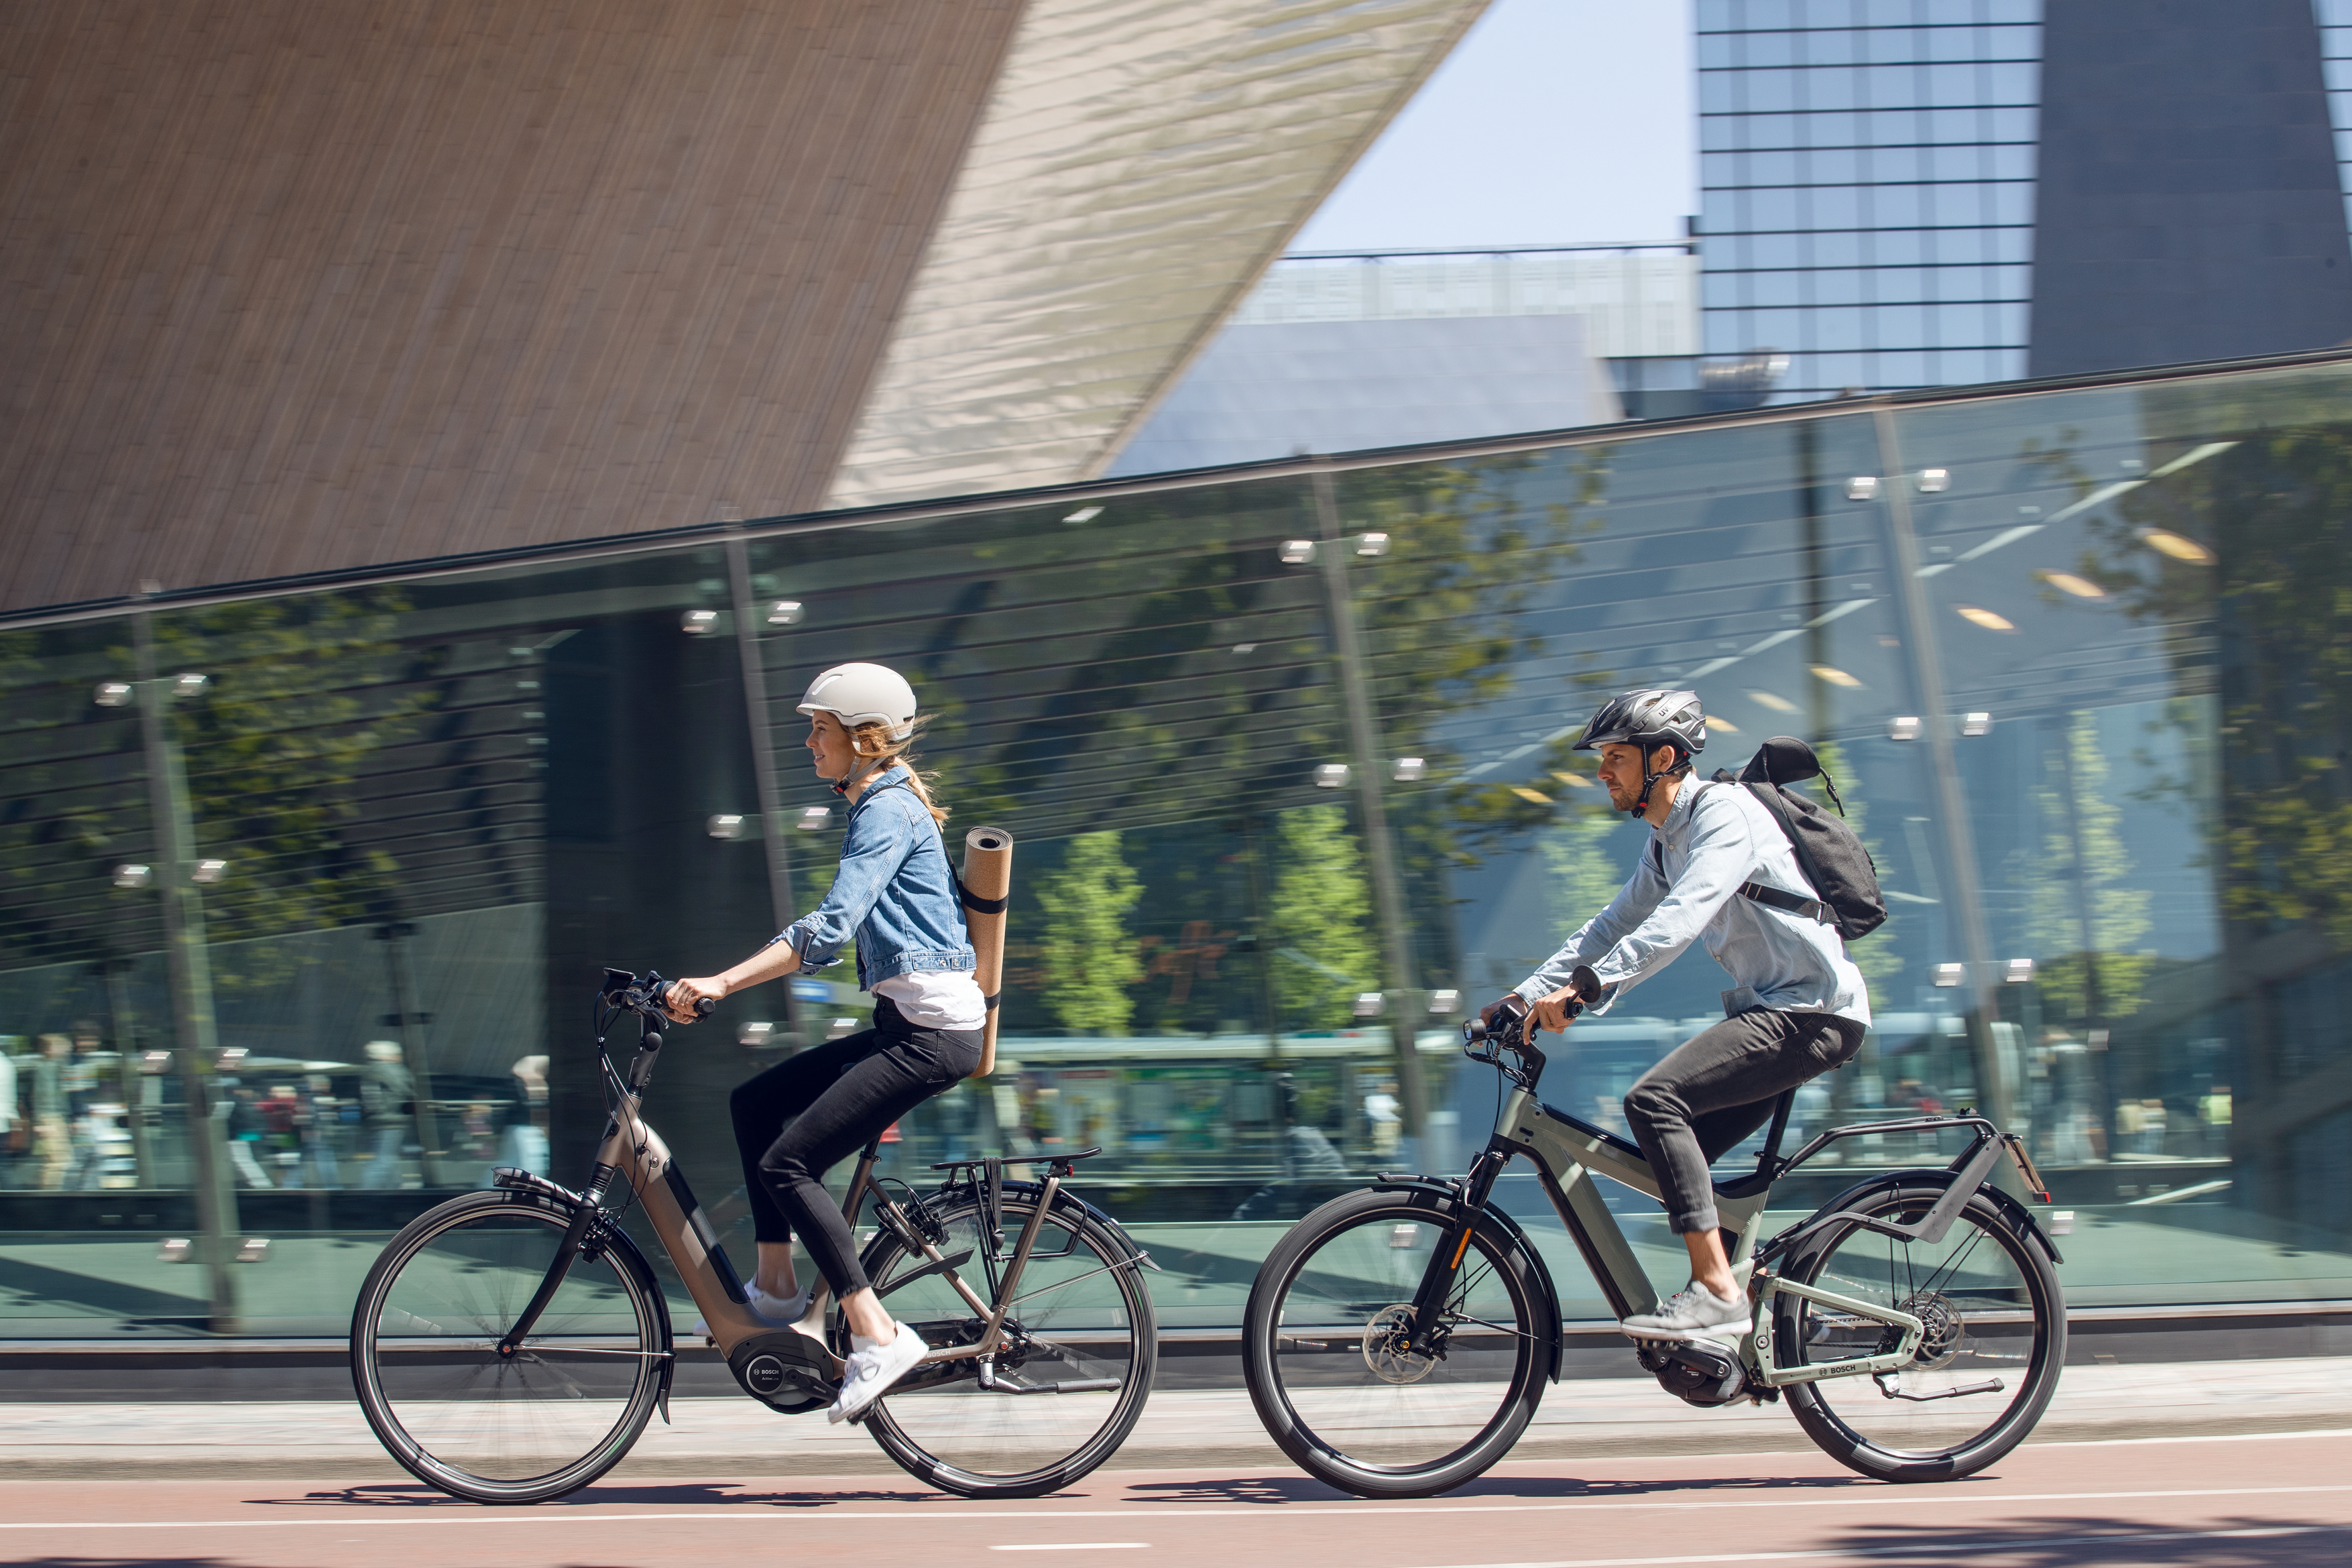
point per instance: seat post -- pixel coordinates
(1770, 1155)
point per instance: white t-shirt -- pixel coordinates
(937, 998)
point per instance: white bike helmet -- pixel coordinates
(864, 693)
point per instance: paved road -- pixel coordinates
(2251, 1501)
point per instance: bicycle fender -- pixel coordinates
(612, 1238)
(1940, 1176)
(1519, 1242)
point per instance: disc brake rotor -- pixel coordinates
(1385, 1339)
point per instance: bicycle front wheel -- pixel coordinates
(1082, 1343)
(1322, 1346)
(1983, 1376)
(545, 1421)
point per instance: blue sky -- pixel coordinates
(1554, 121)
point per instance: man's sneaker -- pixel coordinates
(873, 1368)
(775, 1311)
(1692, 1312)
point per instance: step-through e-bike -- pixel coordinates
(511, 1345)
(1398, 1340)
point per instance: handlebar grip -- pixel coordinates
(703, 1008)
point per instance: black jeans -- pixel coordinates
(1718, 1087)
(835, 1099)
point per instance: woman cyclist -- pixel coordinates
(803, 1115)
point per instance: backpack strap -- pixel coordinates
(1811, 909)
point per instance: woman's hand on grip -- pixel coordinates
(679, 999)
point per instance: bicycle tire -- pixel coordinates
(1368, 1423)
(1092, 1321)
(1972, 1301)
(548, 1421)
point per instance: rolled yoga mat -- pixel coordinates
(987, 888)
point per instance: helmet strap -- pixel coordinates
(1650, 780)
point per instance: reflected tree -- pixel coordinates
(1319, 919)
(1087, 956)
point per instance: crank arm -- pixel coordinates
(1989, 1385)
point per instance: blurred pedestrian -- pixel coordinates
(387, 1111)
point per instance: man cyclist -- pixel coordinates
(1799, 1006)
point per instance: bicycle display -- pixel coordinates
(1398, 1339)
(511, 1345)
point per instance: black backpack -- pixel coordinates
(1830, 854)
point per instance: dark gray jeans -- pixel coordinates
(1718, 1087)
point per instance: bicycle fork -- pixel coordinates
(1452, 1246)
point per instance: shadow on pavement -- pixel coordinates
(2084, 1541)
(1276, 1489)
(679, 1494)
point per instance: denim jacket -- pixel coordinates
(893, 890)
(1688, 889)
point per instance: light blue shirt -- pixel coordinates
(1716, 837)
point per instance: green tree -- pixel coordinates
(1319, 916)
(1581, 876)
(1088, 959)
(2081, 911)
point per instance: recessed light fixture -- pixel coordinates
(1083, 515)
(1298, 553)
(1935, 481)
(1776, 703)
(726, 825)
(2067, 583)
(1861, 487)
(1724, 724)
(1443, 1002)
(1976, 615)
(112, 694)
(1244, 647)
(1950, 975)
(1368, 1004)
(1524, 793)
(815, 816)
(784, 612)
(1578, 780)
(2018, 971)
(209, 871)
(1408, 769)
(1975, 723)
(1332, 776)
(1903, 727)
(696, 622)
(133, 875)
(1371, 544)
(1833, 675)
(190, 685)
(2180, 547)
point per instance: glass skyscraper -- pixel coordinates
(1868, 168)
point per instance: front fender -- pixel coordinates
(1519, 1237)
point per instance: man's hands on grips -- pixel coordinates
(687, 1001)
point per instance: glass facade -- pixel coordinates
(1867, 169)
(2334, 18)
(303, 889)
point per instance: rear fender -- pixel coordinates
(1550, 1304)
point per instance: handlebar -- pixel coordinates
(1508, 1030)
(648, 996)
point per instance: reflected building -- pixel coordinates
(1287, 752)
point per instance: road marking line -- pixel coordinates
(1864, 1494)
(1939, 1548)
(1079, 1546)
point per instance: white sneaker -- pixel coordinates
(873, 1368)
(1692, 1312)
(775, 1311)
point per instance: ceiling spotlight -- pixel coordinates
(1861, 487)
(112, 694)
(1935, 481)
(1991, 620)
(1776, 703)
(1536, 796)
(784, 612)
(1298, 553)
(1950, 975)
(209, 871)
(1368, 1004)
(695, 623)
(1442, 1003)
(2018, 971)
(726, 825)
(1724, 724)
(1372, 544)
(752, 1036)
(815, 816)
(2067, 583)
(1332, 776)
(1903, 728)
(1833, 675)
(1083, 515)
(1578, 780)
(190, 684)
(1975, 723)
(1244, 648)
(840, 1028)
(2178, 545)
(1408, 769)
(133, 875)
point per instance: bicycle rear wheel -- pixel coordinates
(457, 1415)
(1081, 1322)
(1996, 1338)
(1319, 1353)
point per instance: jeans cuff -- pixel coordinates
(1692, 1220)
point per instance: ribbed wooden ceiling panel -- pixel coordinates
(294, 286)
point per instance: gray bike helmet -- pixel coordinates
(1649, 718)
